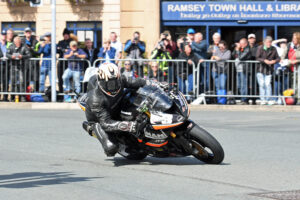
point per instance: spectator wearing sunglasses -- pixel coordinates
(155, 73)
(127, 70)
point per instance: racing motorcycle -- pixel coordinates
(168, 131)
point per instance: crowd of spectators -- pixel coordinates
(277, 59)
(270, 75)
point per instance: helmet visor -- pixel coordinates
(112, 86)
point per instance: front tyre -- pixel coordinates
(205, 147)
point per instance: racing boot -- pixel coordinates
(87, 127)
(109, 148)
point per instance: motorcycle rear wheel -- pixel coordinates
(207, 148)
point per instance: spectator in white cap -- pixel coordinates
(253, 48)
(252, 44)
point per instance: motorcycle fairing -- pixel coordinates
(153, 144)
(182, 104)
(161, 120)
(82, 106)
(82, 101)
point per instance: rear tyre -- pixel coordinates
(205, 147)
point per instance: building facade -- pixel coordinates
(234, 19)
(94, 19)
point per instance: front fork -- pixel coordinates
(182, 137)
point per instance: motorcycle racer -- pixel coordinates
(103, 106)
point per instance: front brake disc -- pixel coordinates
(199, 150)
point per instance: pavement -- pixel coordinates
(45, 154)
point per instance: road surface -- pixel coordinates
(46, 155)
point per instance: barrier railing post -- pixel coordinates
(298, 91)
(195, 81)
(294, 79)
(53, 52)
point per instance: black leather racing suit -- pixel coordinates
(105, 110)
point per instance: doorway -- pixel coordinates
(233, 34)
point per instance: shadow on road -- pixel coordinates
(119, 161)
(37, 179)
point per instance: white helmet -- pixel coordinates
(109, 79)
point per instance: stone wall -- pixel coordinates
(122, 16)
(107, 11)
(142, 16)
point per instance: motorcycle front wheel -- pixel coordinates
(205, 147)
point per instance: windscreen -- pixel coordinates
(160, 101)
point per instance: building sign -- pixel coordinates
(230, 11)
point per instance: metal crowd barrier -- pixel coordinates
(233, 79)
(18, 77)
(33, 76)
(209, 79)
(71, 70)
(166, 70)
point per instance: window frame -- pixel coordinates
(31, 25)
(74, 28)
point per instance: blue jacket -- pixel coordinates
(46, 51)
(73, 64)
(200, 49)
(3, 49)
(134, 50)
(111, 54)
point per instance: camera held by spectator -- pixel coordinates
(136, 39)
(45, 39)
(162, 44)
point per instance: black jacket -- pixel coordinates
(62, 46)
(269, 54)
(185, 67)
(31, 46)
(92, 57)
(23, 50)
(253, 51)
(159, 76)
(103, 109)
(242, 55)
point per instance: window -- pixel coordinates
(84, 30)
(18, 27)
